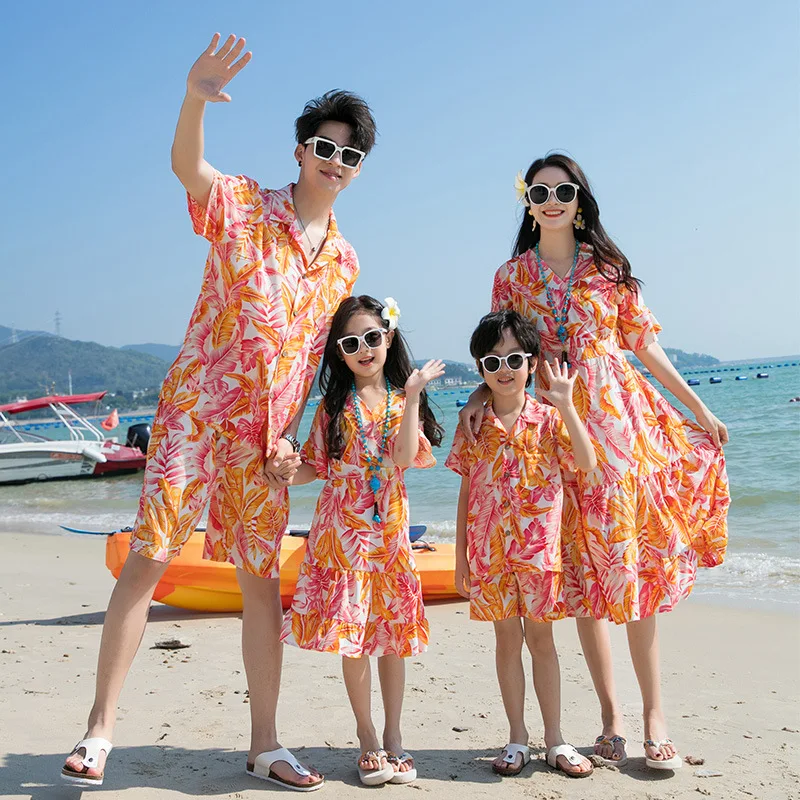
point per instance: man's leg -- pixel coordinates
(173, 490)
(262, 653)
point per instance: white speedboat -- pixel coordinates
(25, 456)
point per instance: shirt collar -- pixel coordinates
(532, 413)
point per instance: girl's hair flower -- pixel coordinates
(391, 312)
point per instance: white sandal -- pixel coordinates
(406, 776)
(676, 762)
(262, 768)
(511, 752)
(375, 777)
(93, 747)
(572, 756)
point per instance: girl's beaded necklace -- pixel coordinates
(374, 462)
(560, 316)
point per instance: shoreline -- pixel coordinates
(729, 677)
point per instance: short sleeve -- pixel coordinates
(315, 450)
(461, 458)
(636, 326)
(425, 458)
(563, 443)
(230, 207)
(500, 291)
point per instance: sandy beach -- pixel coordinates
(730, 684)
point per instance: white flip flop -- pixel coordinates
(676, 762)
(407, 776)
(375, 777)
(93, 747)
(262, 768)
(511, 752)
(572, 755)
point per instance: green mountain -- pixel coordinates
(40, 365)
(167, 352)
(680, 358)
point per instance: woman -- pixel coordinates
(638, 526)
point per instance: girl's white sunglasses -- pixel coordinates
(539, 193)
(513, 361)
(350, 345)
(326, 150)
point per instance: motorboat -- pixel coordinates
(84, 452)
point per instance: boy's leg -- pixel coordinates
(392, 674)
(511, 677)
(175, 454)
(643, 643)
(358, 682)
(547, 683)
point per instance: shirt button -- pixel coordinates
(284, 354)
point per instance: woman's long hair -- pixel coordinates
(336, 379)
(608, 258)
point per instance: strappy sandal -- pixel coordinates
(511, 752)
(93, 746)
(611, 741)
(375, 777)
(661, 763)
(404, 776)
(572, 756)
(262, 768)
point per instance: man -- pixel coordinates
(224, 431)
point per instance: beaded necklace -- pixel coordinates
(374, 463)
(559, 317)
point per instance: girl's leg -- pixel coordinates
(643, 643)
(392, 675)
(596, 645)
(511, 677)
(358, 681)
(547, 683)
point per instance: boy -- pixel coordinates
(231, 403)
(508, 543)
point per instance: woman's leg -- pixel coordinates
(643, 643)
(596, 645)
(358, 682)
(392, 674)
(511, 677)
(547, 683)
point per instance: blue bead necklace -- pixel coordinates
(559, 316)
(374, 462)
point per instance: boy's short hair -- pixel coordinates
(338, 106)
(490, 332)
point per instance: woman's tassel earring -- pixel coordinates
(533, 225)
(578, 221)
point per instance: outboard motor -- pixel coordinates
(139, 436)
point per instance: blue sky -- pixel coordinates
(685, 115)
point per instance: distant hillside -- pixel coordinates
(7, 335)
(681, 359)
(40, 365)
(166, 352)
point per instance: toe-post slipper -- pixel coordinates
(262, 768)
(404, 776)
(511, 752)
(93, 746)
(662, 763)
(612, 741)
(572, 756)
(375, 777)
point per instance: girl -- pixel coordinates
(508, 542)
(637, 528)
(358, 592)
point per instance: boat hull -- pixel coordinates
(198, 584)
(46, 461)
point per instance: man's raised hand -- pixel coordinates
(214, 70)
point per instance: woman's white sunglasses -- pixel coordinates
(513, 361)
(539, 193)
(326, 150)
(350, 345)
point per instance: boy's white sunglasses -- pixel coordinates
(350, 345)
(326, 150)
(513, 361)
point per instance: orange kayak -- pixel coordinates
(198, 584)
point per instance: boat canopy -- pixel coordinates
(45, 402)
